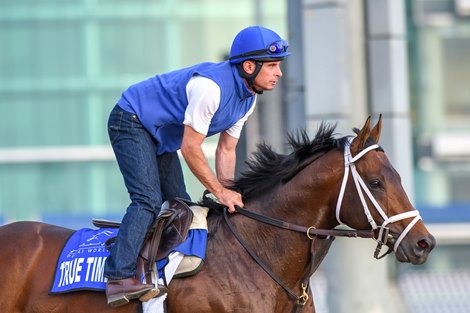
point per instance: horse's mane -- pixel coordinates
(266, 168)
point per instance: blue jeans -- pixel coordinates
(150, 180)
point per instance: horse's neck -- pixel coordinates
(305, 206)
(286, 252)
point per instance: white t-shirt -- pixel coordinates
(204, 99)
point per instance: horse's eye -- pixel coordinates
(375, 183)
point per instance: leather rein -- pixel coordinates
(310, 232)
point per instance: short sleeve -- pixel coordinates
(236, 129)
(203, 101)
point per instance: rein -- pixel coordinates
(301, 300)
(310, 232)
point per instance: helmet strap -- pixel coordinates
(250, 78)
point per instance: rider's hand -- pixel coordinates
(229, 198)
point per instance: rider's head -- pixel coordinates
(257, 44)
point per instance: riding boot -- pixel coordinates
(120, 291)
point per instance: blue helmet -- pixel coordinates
(258, 43)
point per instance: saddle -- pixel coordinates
(169, 230)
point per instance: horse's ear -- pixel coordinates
(358, 142)
(375, 132)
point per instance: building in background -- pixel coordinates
(64, 65)
(439, 58)
(439, 51)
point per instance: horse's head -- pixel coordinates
(371, 182)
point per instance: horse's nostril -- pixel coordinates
(426, 244)
(423, 244)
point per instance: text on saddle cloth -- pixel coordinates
(81, 263)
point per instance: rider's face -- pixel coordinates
(268, 75)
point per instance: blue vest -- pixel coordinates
(160, 102)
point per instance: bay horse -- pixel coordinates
(251, 266)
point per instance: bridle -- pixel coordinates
(311, 231)
(383, 236)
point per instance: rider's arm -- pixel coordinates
(225, 158)
(194, 156)
(203, 101)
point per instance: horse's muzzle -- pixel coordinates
(423, 247)
(416, 252)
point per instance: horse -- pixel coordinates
(254, 263)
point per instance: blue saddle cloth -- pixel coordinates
(81, 262)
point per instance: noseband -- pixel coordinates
(383, 236)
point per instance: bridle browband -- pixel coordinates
(383, 236)
(311, 231)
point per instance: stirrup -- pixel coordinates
(155, 292)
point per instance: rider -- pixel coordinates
(178, 110)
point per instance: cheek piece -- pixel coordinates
(361, 188)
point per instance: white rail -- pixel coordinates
(450, 233)
(69, 154)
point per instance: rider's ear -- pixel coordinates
(249, 66)
(358, 143)
(375, 132)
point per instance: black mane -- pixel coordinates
(266, 168)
